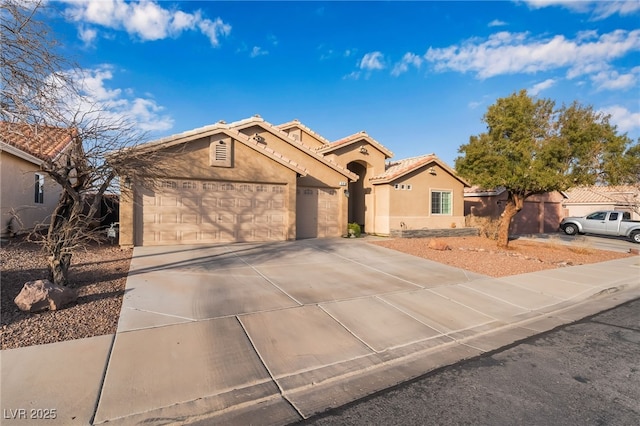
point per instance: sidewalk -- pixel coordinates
(271, 334)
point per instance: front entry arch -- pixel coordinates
(357, 194)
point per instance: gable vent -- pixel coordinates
(220, 152)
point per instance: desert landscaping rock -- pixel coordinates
(98, 273)
(40, 295)
(437, 244)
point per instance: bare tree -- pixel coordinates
(41, 89)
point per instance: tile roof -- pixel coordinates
(42, 142)
(602, 194)
(296, 123)
(479, 191)
(257, 120)
(356, 137)
(399, 168)
(217, 128)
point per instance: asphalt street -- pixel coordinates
(585, 373)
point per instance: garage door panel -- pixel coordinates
(227, 202)
(212, 212)
(190, 202)
(168, 218)
(168, 201)
(317, 213)
(209, 203)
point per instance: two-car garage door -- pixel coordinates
(196, 212)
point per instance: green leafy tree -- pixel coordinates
(530, 148)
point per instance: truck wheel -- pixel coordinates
(570, 229)
(635, 237)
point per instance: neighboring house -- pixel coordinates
(253, 181)
(540, 214)
(28, 194)
(587, 199)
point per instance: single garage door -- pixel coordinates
(317, 213)
(198, 212)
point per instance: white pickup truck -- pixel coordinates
(606, 222)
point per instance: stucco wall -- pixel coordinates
(541, 213)
(17, 183)
(320, 174)
(411, 209)
(191, 161)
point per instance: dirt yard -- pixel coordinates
(99, 275)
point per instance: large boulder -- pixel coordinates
(41, 295)
(436, 244)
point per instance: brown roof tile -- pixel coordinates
(43, 142)
(394, 169)
(298, 124)
(399, 168)
(601, 194)
(356, 137)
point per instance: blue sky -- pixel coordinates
(417, 76)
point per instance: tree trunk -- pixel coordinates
(58, 242)
(513, 205)
(59, 269)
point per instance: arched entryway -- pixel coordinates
(357, 194)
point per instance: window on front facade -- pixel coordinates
(441, 202)
(39, 189)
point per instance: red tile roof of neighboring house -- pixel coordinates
(602, 194)
(42, 142)
(397, 169)
(356, 137)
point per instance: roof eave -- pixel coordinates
(20, 153)
(254, 121)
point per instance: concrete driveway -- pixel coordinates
(280, 331)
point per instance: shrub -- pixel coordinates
(487, 226)
(354, 229)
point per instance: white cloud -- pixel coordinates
(579, 6)
(600, 9)
(184, 21)
(537, 88)
(409, 59)
(626, 120)
(144, 19)
(87, 35)
(613, 80)
(474, 104)
(214, 30)
(497, 23)
(604, 9)
(372, 61)
(355, 75)
(257, 51)
(512, 53)
(97, 98)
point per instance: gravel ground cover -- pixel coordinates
(99, 275)
(481, 255)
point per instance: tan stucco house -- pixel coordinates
(254, 181)
(541, 212)
(28, 196)
(583, 200)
